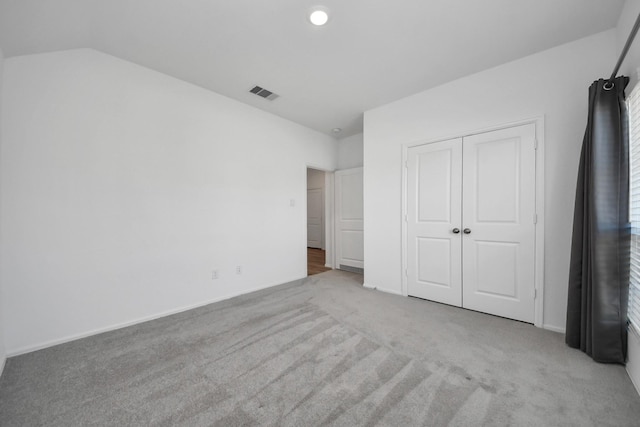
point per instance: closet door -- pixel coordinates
(434, 180)
(498, 222)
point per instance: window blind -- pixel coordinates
(633, 103)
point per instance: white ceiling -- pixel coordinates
(370, 53)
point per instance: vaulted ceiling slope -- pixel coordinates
(370, 53)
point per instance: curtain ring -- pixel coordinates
(608, 86)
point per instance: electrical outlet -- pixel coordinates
(239, 269)
(214, 274)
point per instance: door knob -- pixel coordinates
(467, 231)
(456, 230)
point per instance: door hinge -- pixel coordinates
(535, 144)
(535, 294)
(405, 218)
(535, 218)
(406, 272)
(406, 164)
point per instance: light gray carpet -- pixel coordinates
(321, 351)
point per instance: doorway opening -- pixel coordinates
(317, 222)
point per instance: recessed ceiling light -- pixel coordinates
(319, 15)
(336, 130)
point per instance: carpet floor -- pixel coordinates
(319, 351)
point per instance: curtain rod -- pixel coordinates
(626, 47)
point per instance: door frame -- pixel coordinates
(539, 206)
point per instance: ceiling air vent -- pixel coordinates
(266, 94)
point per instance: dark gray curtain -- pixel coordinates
(599, 272)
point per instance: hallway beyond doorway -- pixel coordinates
(316, 259)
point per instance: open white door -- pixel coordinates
(349, 219)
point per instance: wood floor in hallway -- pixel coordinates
(316, 261)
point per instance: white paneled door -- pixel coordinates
(349, 218)
(434, 203)
(498, 212)
(471, 222)
(315, 221)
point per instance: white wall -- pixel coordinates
(123, 188)
(350, 151)
(315, 179)
(552, 83)
(3, 353)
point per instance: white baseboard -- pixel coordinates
(552, 328)
(69, 338)
(385, 290)
(633, 358)
(3, 362)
